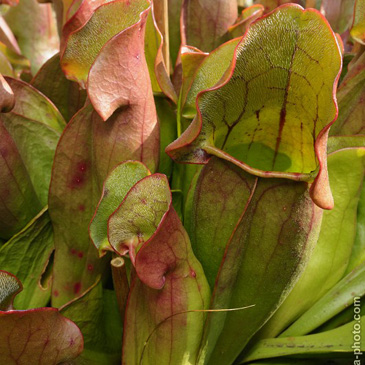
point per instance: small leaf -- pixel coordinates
(351, 96)
(26, 255)
(65, 94)
(209, 72)
(209, 31)
(248, 15)
(96, 314)
(275, 89)
(19, 202)
(7, 99)
(80, 53)
(331, 343)
(156, 52)
(115, 188)
(10, 286)
(121, 79)
(337, 299)
(34, 27)
(169, 283)
(35, 126)
(338, 13)
(358, 25)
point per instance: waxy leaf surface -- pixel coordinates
(27, 255)
(115, 188)
(251, 257)
(88, 150)
(169, 280)
(330, 257)
(96, 314)
(83, 45)
(271, 113)
(209, 31)
(34, 26)
(351, 101)
(65, 94)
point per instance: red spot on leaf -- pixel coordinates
(73, 251)
(90, 267)
(56, 293)
(81, 207)
(77, 288)
(192, 273)
(80, 254)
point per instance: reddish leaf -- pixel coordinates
(7, 99)
(169, 282)
(36, 336)
(65, 94)
(205, 23)
(121, 79)
(34, 27)
(88, 150)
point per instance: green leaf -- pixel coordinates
(115, 188)
(252, 257)
(34, 26)
(358, 250)
(174, 10)
(169, 281)
(331, 255)
(88, 150)
(65, 94)
(358, 25)
(336, 342)
(96, 314)
(35, 126)
(333, 302)
(157, 52)
(10, 286)
(280, 84)
(19, 202)
(26, 255)
(209, 72)
(350, 96)
(167, 120)
(209, 31)
(84, 44)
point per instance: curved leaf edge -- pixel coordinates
(320, 190)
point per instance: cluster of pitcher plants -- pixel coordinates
(182, 182)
